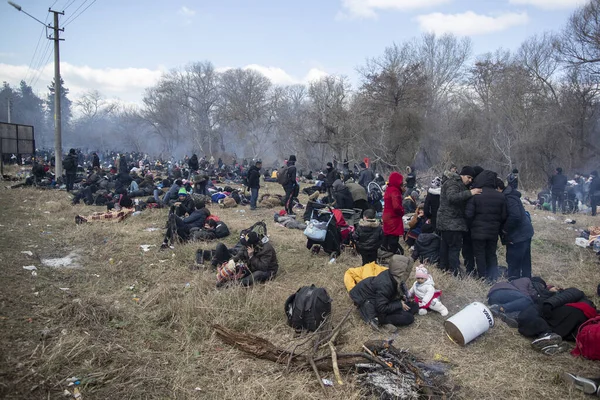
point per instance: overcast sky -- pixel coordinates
(120, 47)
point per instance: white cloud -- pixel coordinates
(550, 4)
(369, 8)
(470, 23)
(125, 84)
(187, 12)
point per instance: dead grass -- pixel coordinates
(129, 327)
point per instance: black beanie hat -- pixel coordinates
(467, 170)
(477, 169)
(292, 158)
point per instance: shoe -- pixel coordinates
(545, 340)
(422, 311)
(510, 319)
(555, 349)
(587, 386)
(374, 324)
(164, 246)
(495, 309)
(389, 328)
(316, 249)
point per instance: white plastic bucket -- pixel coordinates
(470, 322)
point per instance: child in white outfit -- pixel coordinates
(424, 293)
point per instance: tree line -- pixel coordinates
(426, 102)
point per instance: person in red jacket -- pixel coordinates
(393, 226)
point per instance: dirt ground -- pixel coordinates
(135, 324)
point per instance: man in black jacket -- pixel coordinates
(381, 299)
(95, 160)
(331, 175)
(290, 185)
(517, 233)
(558, 183)
(183, 226)
(341, 196)
(486, 215)
(427, 246)
(70, 166)
(254, 182)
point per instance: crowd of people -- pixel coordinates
(462, 212)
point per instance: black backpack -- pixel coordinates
(259, 227)
(283, 175)
(308, 308)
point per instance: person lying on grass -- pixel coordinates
(255, 262)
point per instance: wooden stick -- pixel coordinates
(316, 371)
(334, 363)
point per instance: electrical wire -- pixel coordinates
(68, 5)
(74, 18)
(47, 54)
(34, 54)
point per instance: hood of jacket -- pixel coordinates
(510, 191)
(396, 180)
(338, 185)
(400, 267)
(435, 191)
(486, 179)
(369, 223)
(427, 238)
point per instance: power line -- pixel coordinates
(68, 5)
(43, 63)
(72, 17)
(34, 53)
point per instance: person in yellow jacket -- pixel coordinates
(355, 275)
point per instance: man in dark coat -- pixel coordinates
(517, 233)
(368, 237)
(451, 219)
(365, 176)
(513, 179)
(432, 201)
(411, 180)
(260, 258)
(193, 163)
(254, 182)
(427, 246)
(290, 186)
(341, 195)
(380, 299)
(70, 166)
(182, 227)
(331, 175)
(594, 192)
(95, 160)
(486, 215)
(558, 183)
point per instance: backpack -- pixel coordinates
(261, 230)
(283, 177)
(588, 340)
(308, 308)
(68, 163)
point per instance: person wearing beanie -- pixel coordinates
(70, 163)
(259, 257)
(451, 220)
(558, 183)
(331, 175)
(594, 192)
(513, 179)
(486, 215)
(424, 293)
(477, 170)
(432, 201)
(365, 176)
(184, 204)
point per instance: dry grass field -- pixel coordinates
(132, 324)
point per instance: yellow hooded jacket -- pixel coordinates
(355, 275)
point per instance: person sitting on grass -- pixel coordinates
(212, 230)
(427, 246)
(415, 225)
(382, 301)
(184, 204)
(180, 228)
(424, 293)
(254, 262)
(368, 237)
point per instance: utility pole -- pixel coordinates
(57, 86)
(57, 92)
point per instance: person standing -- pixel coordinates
(70, 167)
(331, 175)
(393, 226)
(594, 192)
(558, 183)
(365, 176)
(517, 233)
(288, 181)
(513, 179)
(411, 180)
(254, 182)
(451, 220)
(486, 215)
(95, 160)
(432, 201)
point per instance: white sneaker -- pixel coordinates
(422, 311)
